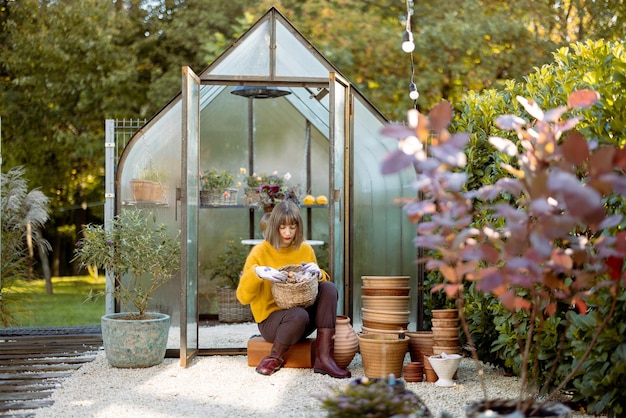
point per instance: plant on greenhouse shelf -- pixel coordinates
(137, 246)
(150, 173)
(266, 190)
(542, 240)
(364, 397)
(149, 183)
(215, 179)
(216, 187)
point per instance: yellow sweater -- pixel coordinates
(257, 292)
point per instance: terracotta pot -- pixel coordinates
(414, 372)
(383, 291)
(391, 326)
(448, 350)
(445, 323)
(386, 303)
(264, 222)
(421, 343)
(382, 355)
(386, 316)
(445, 313)
(367, 330)
(445, 332)
(503, 407)
(346, 342)
(430, 375)
(385, 281)
(426, 361)
(452, 341)
(146, 191)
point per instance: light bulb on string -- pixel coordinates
(413, 93)
(407, 42)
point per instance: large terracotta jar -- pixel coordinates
(346, 342)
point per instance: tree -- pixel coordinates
(66, 66)
(61, 76)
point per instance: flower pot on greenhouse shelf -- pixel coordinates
(540, 238)
(143, 256)
(149, 184)
(217, 187)
(266, 190)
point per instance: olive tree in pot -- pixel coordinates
(542, 240)
(143, 256)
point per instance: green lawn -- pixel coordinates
(68, 305)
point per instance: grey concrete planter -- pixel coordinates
(134, 343)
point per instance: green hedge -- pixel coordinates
(596, 65)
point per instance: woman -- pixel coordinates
(284, 244)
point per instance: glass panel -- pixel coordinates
(191, 140)
(379, 219)
(157, 147)
(294, 59)
(315, 111)
(338, 133)
(249, 57)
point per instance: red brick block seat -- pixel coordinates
(300, 355)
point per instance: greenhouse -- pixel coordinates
(270, 105)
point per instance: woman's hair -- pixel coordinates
(284, 213)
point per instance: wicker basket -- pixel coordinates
(289, 295)
(219, 197)
(230, 310)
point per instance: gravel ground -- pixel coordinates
(225, 386)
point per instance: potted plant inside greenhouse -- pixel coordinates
(264, 191)
(216, 188)
(226, 271)
(143, 256)
(542, 239)
(148, 184)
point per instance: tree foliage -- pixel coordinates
(66, 66)
(597, 65)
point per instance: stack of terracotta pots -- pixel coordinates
(413, 371)
(446, 331)
(385, 304)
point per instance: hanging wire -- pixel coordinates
(408, 46)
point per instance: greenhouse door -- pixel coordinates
(339, 213)
(189, 221)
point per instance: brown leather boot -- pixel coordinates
(274, 361)
(324, 355)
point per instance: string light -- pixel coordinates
(413, 93)
(408, 46)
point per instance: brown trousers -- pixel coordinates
(288, 326)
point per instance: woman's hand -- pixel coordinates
(271, 274)
(312, 269)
